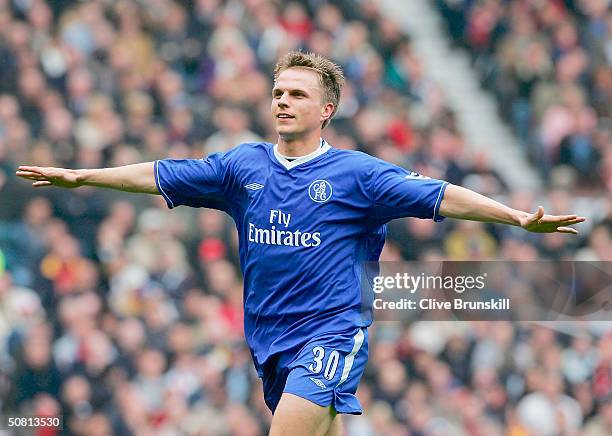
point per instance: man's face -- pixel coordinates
(297, 103)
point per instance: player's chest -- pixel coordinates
(271, 185)
(275, 195)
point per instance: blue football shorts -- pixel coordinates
(325, 371)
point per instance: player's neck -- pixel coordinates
(298, 147)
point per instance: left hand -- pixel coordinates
(538, 222)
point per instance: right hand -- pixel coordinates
(49, 176)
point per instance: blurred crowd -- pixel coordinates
(550, 65)
(127, 319)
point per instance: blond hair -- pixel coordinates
(330, 74)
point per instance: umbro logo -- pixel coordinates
(254, 186)
(318, 382)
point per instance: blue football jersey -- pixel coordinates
(305, 228)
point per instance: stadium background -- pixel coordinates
(126, 319)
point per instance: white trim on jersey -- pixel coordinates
(350, 358)
(438, 200)
(161, 190)
(283, 160)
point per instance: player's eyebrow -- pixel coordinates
(276, 90)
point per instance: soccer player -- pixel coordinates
(308, 216)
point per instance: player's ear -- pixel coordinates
(326, 111)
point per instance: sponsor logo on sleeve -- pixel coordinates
(415, 175)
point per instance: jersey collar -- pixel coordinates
(302, 159)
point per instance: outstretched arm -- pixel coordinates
(131, 178)
(464, 204)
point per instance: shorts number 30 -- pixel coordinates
(330, 367)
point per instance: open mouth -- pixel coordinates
(285, 117)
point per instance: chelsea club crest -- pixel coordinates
(320, 191)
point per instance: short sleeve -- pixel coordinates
(398, 193)
(195, 182)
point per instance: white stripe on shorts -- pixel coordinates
(350, 358)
